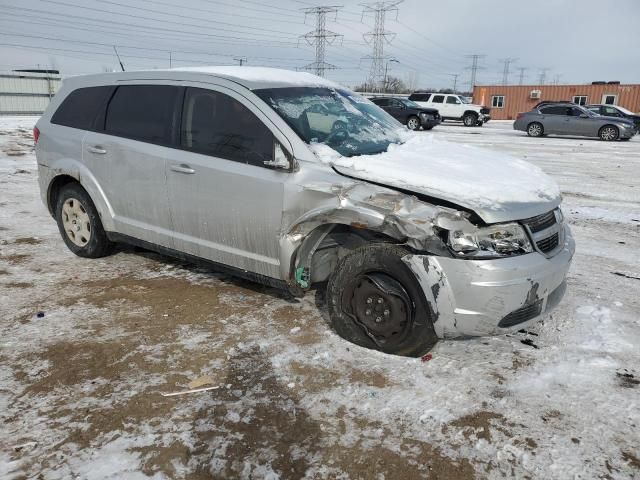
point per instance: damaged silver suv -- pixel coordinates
(291, 180)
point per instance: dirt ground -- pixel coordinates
(87, 347)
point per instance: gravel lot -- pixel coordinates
(81, 384)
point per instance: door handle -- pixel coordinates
(97, 149)
(183, 168)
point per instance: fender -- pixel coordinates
(75, 169)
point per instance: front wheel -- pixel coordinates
(79, 223)
(470, 119)
(608, 133)
(375, 301)
(413, 123)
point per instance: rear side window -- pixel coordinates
(81, 107)
(142, 112)
(438, 99)
(216, 124)
(420, 97)
(556, 110)
(381, 102)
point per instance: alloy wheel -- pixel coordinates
(412, 123)
(608, 133)
(535, 130)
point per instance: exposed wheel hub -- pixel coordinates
(381, 306)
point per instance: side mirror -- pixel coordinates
(282, 160)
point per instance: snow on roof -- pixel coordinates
(262, 77)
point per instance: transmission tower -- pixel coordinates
(542, 77)
(241, 60)
(522, 70)
(378, 36)
(474, 67)
(455, 80)
(321, 37)
(505, 72)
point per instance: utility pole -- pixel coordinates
(386, 71)
(522, 70)
(474, 67)
(543, 75)
(505, 71)
(378, 36)
(241, 60)
(169, 58)
(455, 80)
(321, 37)
(556, 79)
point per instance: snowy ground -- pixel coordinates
(80, 388)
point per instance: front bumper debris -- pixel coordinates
(488, 297)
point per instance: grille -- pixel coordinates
(521, 315)
(541, 222)
(548, 244)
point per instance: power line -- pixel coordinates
(455, 80)
(378, 36)
(505, 71)
(474, 67)
(320, 37)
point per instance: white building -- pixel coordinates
(27, 92)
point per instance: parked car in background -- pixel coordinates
(572, 119)
(615, 111)
(453, 107)
(409, 113)
(244, 169)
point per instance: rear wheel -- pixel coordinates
(79, 223)
(609, 133)
(535, 129)
(375, 301)
(470, 119)
(413, 123)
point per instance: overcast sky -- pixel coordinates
(578, 41)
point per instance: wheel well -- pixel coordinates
(54, 189)
(472, 112)
(340, 240)
(608, 125)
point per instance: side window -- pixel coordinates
(80, 108)
(555, 110)
(611, 112)
(453, 100)
(576, 112)
(420, 97)
(595, 109)
(142, 112)
(395, 103)
(215, 124)
(438, 99)
(381, 102)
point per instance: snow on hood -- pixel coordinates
(496, 186)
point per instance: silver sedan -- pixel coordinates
(572, 119)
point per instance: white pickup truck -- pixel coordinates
(453, 107)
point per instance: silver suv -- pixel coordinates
(293, 181)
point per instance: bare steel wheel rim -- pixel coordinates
(412, 123)
(469, 121)
(609, 133)
(76, 222)
(381, 306)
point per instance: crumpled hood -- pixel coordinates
(496, 186)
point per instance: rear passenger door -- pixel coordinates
(554, 119)
(127, 154)
(226, 203)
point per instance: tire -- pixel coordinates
(413, 122)
(609, 133)
(535, 129)
(470, 119)
(428, 128)
(79, 223)
(399, 320)
(625, 139)
(479, 124)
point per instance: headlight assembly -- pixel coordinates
(494, 241)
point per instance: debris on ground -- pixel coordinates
(200, 382)
(185, 392)
(529, 342)
(427, 357)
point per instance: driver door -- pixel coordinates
(225, 202)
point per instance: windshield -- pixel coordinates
(343, 120)
(410, 103)
(465, 99)
(625, 111)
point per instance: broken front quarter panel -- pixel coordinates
(359, 205)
